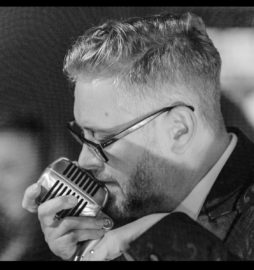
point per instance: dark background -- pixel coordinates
(34, 41)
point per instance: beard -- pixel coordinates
(145, 192)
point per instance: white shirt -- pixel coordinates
(193, 203)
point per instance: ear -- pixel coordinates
(183, 128)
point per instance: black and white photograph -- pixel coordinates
(126, 133)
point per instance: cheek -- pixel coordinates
(124, 156)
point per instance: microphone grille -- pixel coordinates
(63, 178)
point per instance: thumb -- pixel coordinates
(30, 195)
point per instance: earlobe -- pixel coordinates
(183, 129)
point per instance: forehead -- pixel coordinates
(96, 103)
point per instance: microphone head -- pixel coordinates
(63, 177)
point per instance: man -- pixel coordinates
(23, 155)
(147, 107)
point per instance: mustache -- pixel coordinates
(104, 178)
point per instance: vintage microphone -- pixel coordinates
(63, 177)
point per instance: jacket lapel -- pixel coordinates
(224, 201)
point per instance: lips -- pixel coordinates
(109, 181)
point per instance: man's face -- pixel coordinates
(139, 179)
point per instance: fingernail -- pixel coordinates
(72, 200)
(105, 223)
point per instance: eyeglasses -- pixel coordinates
(97, 148)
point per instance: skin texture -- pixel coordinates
(149, 171)
(134, 162)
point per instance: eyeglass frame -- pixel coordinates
(126, 131)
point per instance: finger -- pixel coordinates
(30, 195)
(84, 222)
(66, 246)
(84, 235)
(108, 222)
(75, 162)
(75, 223)
(87, 222)
(48, 210)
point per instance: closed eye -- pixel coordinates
(101, 138)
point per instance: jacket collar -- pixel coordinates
(233, 178)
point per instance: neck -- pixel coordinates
(214, 148)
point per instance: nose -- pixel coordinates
(88, 159)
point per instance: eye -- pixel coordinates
(83, 133)
(100, 137)
(89, 134)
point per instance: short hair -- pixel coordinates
(147, 53)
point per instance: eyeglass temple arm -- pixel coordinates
(140, 124)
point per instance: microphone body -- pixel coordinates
(63, 177)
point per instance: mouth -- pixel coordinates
(108, 183)
(111, 184)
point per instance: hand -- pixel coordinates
(31, 193)
(116, 242)
(62, 236)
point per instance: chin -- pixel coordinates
(115, 210)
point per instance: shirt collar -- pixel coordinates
(194, 201)
(191, 205)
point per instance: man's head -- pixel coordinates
(126, 70)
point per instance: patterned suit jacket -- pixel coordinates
(224, 229)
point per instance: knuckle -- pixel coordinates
(64, 200)
(40, 210)
(100, 233)
(65, 224)
(40, 215)
(47, 239)
(65, 254)
(55, 249)
(73, 238)
(61, 248)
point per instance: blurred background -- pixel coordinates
(34, 41)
